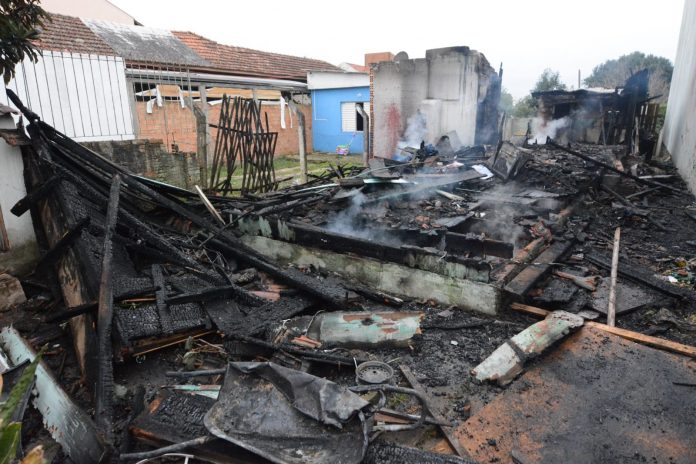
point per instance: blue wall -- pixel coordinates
(326, 118)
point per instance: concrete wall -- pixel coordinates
(149, 158)
(23, 251)
(447, 87)
(327, 131)
(680, 122)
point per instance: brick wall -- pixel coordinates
(151, 159)
(175, 125)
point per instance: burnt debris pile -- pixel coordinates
(446, 307)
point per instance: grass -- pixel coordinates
(287, 168)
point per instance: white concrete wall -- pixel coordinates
(680, 122)
(91, 9)
(20, 230)
(83, 96)
(446, 87)
(336, 80)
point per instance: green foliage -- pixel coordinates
(613, 73)
(19, 23)
(9, 440)
(525, 107)
(549, 80)
(506, 103)
(10, 432)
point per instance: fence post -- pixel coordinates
(300, 140)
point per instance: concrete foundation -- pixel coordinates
(387, 277)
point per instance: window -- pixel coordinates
(351, 120)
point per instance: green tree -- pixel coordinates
(525, 107)
(19, 23)
(613, 73)
(506, 102)
(549, 80)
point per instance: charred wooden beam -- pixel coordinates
(23, 205)
(104, 389)
(634, 272)
(477, 245)
(217, 293)
(60, 316)
(523, 282)
(63, 244)
(165, 316)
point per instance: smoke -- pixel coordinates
(542, 128)
(356, 221)
(416, 132)
(499, 221)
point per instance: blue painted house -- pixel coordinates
(336, 100)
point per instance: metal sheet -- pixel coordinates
(283, 415)
(595, 399)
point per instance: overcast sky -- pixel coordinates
(526, 36)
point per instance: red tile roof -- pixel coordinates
(70, 34)
(250, 62)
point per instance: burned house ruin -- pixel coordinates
(457, 298)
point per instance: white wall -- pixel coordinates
(446, 87)
(20, 230)
(336, 80)
(83, 96)
(90, 9)
(680, 122)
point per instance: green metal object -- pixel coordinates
(360, 329)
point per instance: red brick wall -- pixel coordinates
(175, 125)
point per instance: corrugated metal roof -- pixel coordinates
(145, 44)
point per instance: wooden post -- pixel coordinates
(611, 310)
(201, 141)
(301, 140)
(103, 409)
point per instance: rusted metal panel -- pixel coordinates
(596, 398)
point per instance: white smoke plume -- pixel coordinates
(541, 128)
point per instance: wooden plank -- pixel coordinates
(525, 280)
(104, 389)
(611, 309)
(654, 342)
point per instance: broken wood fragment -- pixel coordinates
(23, 205)
(611, 308)
(649, 340)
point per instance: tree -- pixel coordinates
(19, 23)
(525, 107)
(549, 80)
(613, 73)
(506, 102)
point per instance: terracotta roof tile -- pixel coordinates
(70, 34)
(251, 62)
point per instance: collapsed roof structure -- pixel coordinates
(257, 328)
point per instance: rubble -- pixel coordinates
(270, 327)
